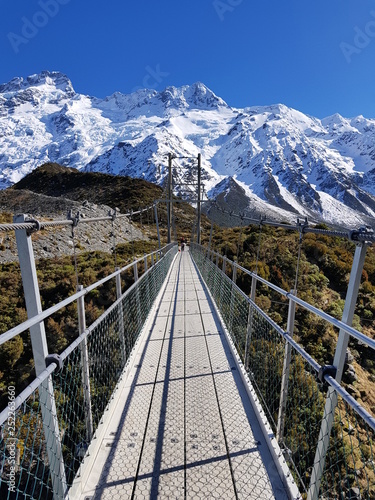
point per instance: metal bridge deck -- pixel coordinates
(182, 425)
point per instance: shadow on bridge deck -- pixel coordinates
(181, 424)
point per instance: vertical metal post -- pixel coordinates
(222, 279)
(157, 223)
(85, 366)
(234, 277)
(118, 284)
(192, 233)
(152, 260)
(250, 322)
(148, 282)
(120, 316)
(286, 370)
(199, 199)
(338, 362)
(40, 352)
(170, 195)
(135, 270)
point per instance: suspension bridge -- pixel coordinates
(184, 388)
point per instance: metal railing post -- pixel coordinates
(250, 322)
(223, 279)
(40, 352)
(120, 316)
(286, 370)
(135, 270)
(148, 283)
(338, 362)
(234, 277)
(85, 366)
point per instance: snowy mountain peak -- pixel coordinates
(202, 97)
(195, 96)
(52, 79)
(252, 158)
(336, 123)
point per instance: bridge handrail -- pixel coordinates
(35, 225)
(8, 335)
(370, 420)
(310, 414)
(52, 367)
(289, 295)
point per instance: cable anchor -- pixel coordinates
(113, 214)
(75, 219)
(362, 231)
(38, 226)
(326, 370)
(55, 358)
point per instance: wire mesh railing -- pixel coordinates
(43, 447)
(298, 396)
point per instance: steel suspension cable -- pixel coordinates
(239, 238)
(75, 222)
(258, 250)
(298, 263)
(113, 234)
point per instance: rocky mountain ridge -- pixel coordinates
(280, 162)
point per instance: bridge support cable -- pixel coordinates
(199, 193)
(121, 325)
(75, 221)
(40, 353)
(85, 366)
(286, 372)
(288, 347)
(113, 234)
(338, 363)
(157, 223)
(249, 327)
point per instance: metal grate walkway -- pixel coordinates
(181, 425)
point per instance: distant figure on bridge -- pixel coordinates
(182, 244)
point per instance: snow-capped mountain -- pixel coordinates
(274, 159)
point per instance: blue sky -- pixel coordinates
(315, 56)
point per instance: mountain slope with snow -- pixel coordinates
(278, 160)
